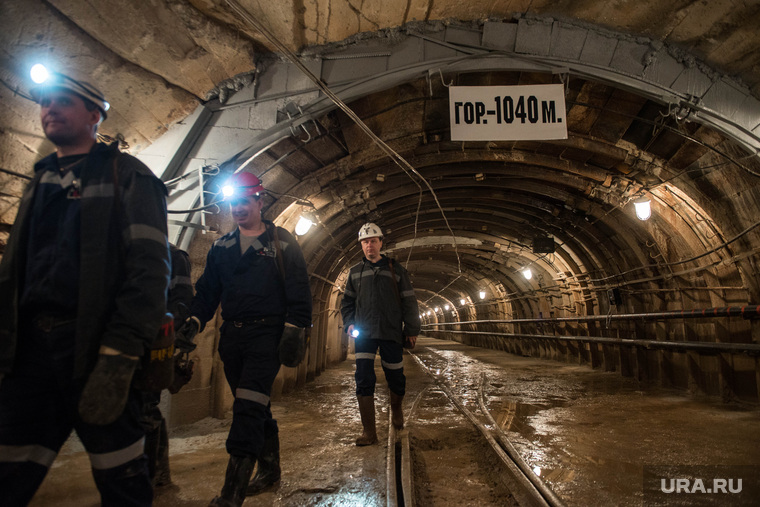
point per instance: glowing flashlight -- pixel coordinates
(355, 333)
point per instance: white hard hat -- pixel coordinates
(56, 80)
(370, 230)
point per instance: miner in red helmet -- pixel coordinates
(258, 274)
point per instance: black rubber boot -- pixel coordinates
(397, 414)
(367, 413)
(239, 470)
(268, 470)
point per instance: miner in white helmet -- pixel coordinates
(83, 285)
(380, 312)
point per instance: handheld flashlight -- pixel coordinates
(355, 333)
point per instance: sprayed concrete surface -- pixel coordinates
(589, 433)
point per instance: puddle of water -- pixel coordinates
(329, 389)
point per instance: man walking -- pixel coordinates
(83, 286)
(153, 421)
(380, 311)
(258, 274)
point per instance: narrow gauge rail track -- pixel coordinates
(527, 488)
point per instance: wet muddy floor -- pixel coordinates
(589, 434)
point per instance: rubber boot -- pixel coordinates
(239, 470)
(367, 412)
(397, 414)
(268, 470)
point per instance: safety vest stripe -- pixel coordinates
(33, 453)
(368, 273)
(407, 293)
(225, 244)
(365, 355)
(393, 366)
(98, 190)
(141, 231)
(107, 460)
(51, 178)
(256, 244)
(254, 396)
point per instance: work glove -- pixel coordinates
(410, 342)
(183, 372)
(185, 335)
(292, 345)
(107, 389)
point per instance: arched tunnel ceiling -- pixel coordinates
(156, 60)
(496, 198)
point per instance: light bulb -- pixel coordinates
(303, 226)
(643, 206)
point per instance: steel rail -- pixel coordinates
(501, 436)
(527, 494)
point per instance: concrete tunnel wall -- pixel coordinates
(254, 111)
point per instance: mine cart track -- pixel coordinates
(526, 487)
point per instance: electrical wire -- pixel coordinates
(398, 159)
(722, 245)
(14, 173)
(200, 208)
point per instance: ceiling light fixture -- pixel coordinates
(304, 224)
(643, 206)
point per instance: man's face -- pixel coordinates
(66, 120)
(246, 211)
(371, 248)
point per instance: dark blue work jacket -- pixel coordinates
(249, 286)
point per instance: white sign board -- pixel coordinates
(507, 113)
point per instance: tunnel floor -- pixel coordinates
(589, 433)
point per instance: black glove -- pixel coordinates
(107, 389)
(184, 336)
(183, 372)
(292, 345)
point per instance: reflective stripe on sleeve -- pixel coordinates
(180, 280)
(254, 396)
(106, 460)
(141, 231)
(33, 453)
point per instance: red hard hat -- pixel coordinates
(244, 184)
